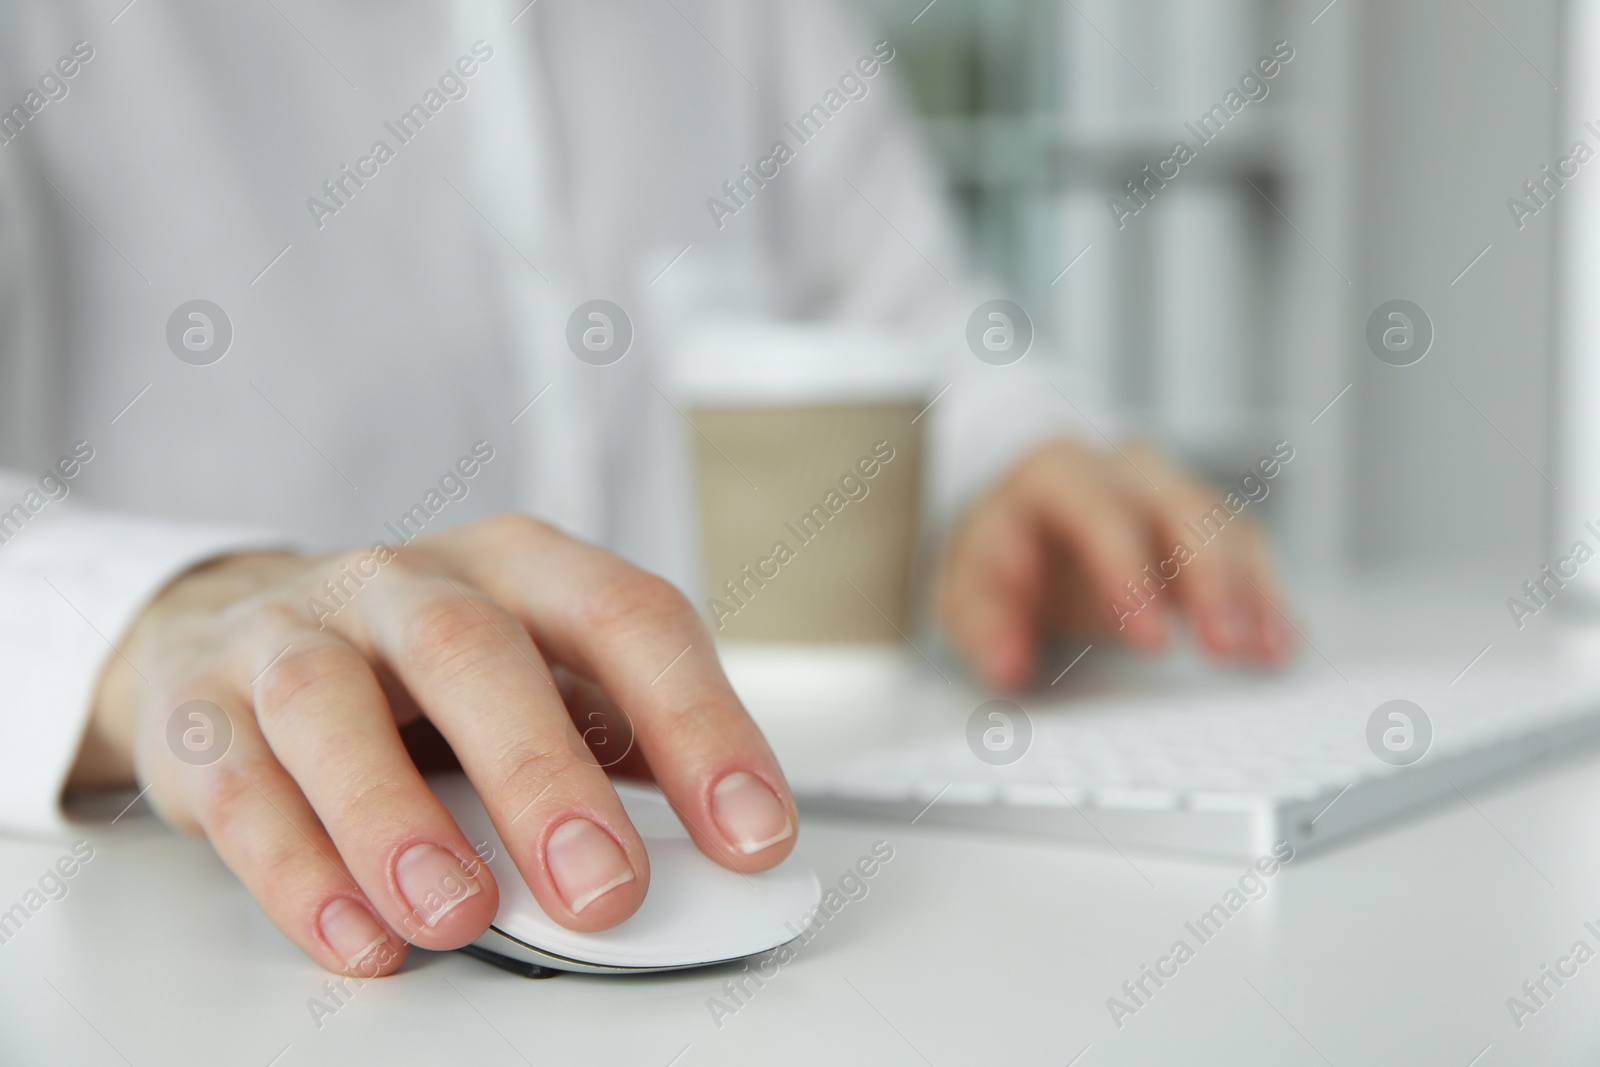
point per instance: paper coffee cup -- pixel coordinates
(808, 461)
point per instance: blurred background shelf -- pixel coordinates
(1200, 323)
(1231, 312)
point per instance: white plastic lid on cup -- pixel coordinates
(766, 361)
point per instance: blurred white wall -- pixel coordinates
(1450, 119)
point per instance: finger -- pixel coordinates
(1194, 539)
(264, 830)
(1263, 595)
(991, 594)
(1198, 543)
(606, 730)
(640, 640)
(481, 681)
(1070, 504)
(323, 712)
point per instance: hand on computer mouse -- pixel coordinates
(1097, 545)
(314, 665)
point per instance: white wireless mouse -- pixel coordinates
(695, 913)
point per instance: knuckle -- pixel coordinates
(349, 560)
(409, 561)
(1064, 467)
(633, 599)
(270, 853)
(353, 569)
(230, 792)
(372, 801)
(282, 688)
(514, 530)
(693, 721)
(1209, 506)
(1055, 450)
(1176, 519)
(527, 769)
(1191, 501)
(266, 622)
(455, 635)
(1038, 470)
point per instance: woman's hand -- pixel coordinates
(316, 664)
(1058, 542)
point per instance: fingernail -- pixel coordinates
(586, 863)
(351, 930)
(433, 882)
(749, 813)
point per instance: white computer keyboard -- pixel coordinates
(1229, 771)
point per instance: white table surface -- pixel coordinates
(1399, 948)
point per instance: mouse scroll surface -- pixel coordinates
(696, 912)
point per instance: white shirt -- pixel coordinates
(381, 330)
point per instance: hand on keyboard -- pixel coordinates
(1103, 545)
